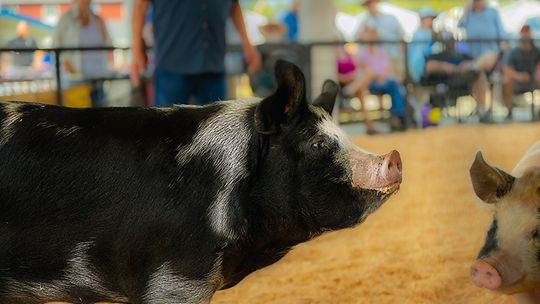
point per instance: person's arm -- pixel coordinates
(251, 55)
(513, 74)
(138, 48)
(509, 68)
(437, 67)
(58, 42)
(359, 35)
(399, 28)
(104, 32)
(501, 33)
(465, 18)
(37, 58)
(106, 41)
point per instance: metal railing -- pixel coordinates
(300, 53)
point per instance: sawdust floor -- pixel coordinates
(418, 247)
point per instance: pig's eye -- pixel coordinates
(535, 238)
(319, 144)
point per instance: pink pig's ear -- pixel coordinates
(489, 183)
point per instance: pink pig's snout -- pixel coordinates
(391, 168)
(484, 275)
(375, 172)
(495, 273)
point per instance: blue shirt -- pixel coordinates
(418, 51)
(483, 25)
(189, 35)
(291, 21)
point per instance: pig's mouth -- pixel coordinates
(388, 190)
(384, 192)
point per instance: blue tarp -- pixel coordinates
(4, 13)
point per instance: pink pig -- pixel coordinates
(509, 261)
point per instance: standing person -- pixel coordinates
(189, 46)
(22, 64)
(481, 21)
(388, 29)
(520, 68)
(81, 27)
(420, 46)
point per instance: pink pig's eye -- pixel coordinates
(535, 235)
(535, 240)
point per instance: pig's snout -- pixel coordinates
(391, 168)
(376, 172)
(485, 275)
(498, 272)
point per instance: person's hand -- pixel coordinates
(69, 67)
(524, 77)
(137, 65)
(464, 66)
(450, 68)
(253, 58)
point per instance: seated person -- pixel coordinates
(460, 71)
(374, 73)
(520, 65)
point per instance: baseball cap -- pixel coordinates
(426, 11)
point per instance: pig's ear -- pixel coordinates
(287, 101)
(489, 183)
(327, 99)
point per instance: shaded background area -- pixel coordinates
(418, 247)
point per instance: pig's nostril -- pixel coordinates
(485, 275)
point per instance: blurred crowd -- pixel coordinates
(189, 46)
(435, 59)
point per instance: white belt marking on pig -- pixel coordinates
(224, 137)
(12, 116)
(328, 127)
(166, 287)
(78, 273)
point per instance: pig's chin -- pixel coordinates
(372, 199)
(524, 285)
(382, 193)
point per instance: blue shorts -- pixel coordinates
(200, 89)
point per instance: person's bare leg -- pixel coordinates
(369, 123)
(508, 93)
(479, 89)
(486, 61)
(362, 85)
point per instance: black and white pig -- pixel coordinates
(168, 205)
(509, 261)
